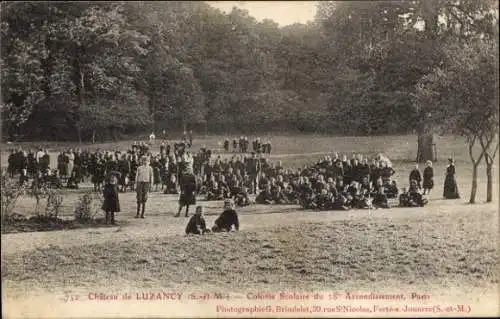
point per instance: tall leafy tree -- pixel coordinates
(464, 93)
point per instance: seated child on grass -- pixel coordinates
(227, 219)
(196, 224)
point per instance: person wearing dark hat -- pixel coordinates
(45, 160)
(450, 184)
(124, 167)
(196, 224)
(111, 203)
(253, 169)
(12, 164)
(143, 182)
(227, 219)
(32, 166)
(235, 145)
(245, 144)
(241, 146)
(428, 183)
(415, 176)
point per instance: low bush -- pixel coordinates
(88, 207)
(11, 191)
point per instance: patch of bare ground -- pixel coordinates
(430, 248)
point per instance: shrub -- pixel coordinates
(11, 190)
(87, 207)
(38, 191)
(54, 203)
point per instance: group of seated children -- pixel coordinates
(331, 198)
(224, 223)
(236, 189)
(318, 194)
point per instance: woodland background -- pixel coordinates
(96, 70)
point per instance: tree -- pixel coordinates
(463, 19)
(83, 53)
(22, 72)
(73, 67)
(465, 99)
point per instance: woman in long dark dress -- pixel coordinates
(450, 183)
(428, 183)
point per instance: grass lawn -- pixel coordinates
(448, 249)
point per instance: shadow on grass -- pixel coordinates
(20, 224)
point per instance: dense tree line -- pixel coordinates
(91, 70)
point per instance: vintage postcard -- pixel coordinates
(249, 159)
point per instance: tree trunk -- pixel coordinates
(154, 115)
(489, 158)
(474, 184)
(430, 13)
(93, 136)
(489, 182)
(81, 93)
(79, 133)
(475, 164)
(114, 134)
(425, 150)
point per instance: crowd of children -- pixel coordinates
(77, 166)
(331, 183)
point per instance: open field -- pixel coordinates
(401, 147)
(448, 249)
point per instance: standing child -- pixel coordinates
(111, 203)
(143, 181)
(428, 178)
(188, 193)
(415, 176)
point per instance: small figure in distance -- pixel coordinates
(152, 138)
